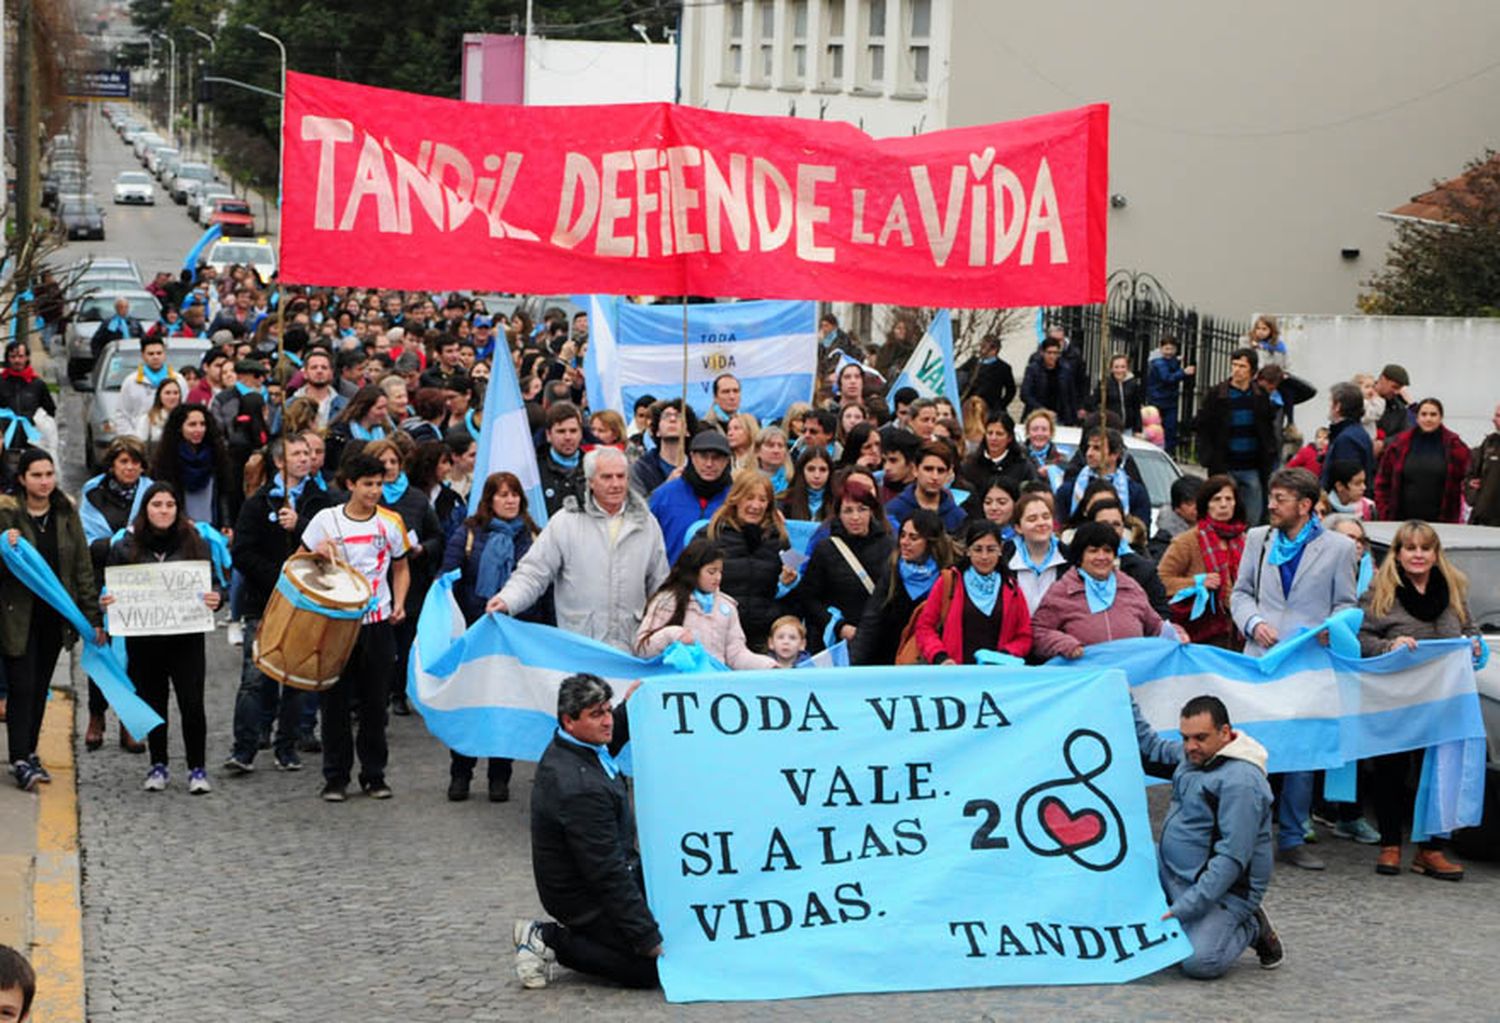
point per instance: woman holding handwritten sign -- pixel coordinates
(161, 532)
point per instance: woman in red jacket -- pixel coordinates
(1421, 472)
(973, 608)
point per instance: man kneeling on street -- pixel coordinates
(583, 851)
(1216, 842)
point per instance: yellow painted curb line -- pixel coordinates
(57, 902)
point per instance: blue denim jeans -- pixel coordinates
(1252, 497)
(1294, 807)
(255, 707)
(1219, 937)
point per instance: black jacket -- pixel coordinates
(261, 545)
(752, 571)
(1123, 398)
(1143, 570)
(995, 382)
(558, 483)
(1213, 430)
(583, 843)
(828, 581)
(879, 629)
(25, 397)
(1015, 465)
(1055, 390)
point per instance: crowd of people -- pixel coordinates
(900, 529)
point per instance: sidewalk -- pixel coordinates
(41, 910)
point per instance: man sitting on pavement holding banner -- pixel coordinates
(583, 850)
(1215, 856)
(1293, 575)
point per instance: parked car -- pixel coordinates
(62, 183)
(156, 154)
(80, 220)
(166, 167)
(233, 216)
(135, 188)
(118, 266)
(93, 310)
(201, 200)
(101, 388)
(144, 141)
(189, 174)
(1474, 551)
(259, 255)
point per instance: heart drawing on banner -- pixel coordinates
(979, 163)
(1071, 831)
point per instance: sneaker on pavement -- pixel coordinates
(376, 788)
(1300, 856)
(237, 764)
(198, 782)
(533, 957)
(1434, 864)
(235, 634)
(156, 778)
(25, 775)
(333, 792)
(41, 772)
(289, 762)
(1267, 944)
(1357, 830)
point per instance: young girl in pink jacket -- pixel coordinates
(690, 609)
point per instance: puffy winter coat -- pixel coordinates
(717, 631)
(752, 573)
(829, 582)
(599, 588)
(1064, 620)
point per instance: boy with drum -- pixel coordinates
(372, 540)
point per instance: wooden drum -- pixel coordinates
(311, 622)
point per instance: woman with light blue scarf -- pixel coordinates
(923, 550)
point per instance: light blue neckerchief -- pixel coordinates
(154, 377)
(566, 461)
(1201, 596)
(705, 601)
(778, 479)
(469, 424)
(14, 422)
(1042, 456)
(982, 590)
(606, 761)
(360, 433)
(1284, 550)
(1366, 574)
(392, 492)
(1100, 595)
(1025, 552)
(918, 579)
(1124, 548)
(1119, 479)
(119, 325)
(815, 501)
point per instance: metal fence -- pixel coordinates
(1137, 313)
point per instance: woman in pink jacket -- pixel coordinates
(1094, 602)
(690, 609)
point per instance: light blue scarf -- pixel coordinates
(982, 590)
(918, 578)
(1284, 550)
(705, 601)
(1366, 574)
(815, 501)
(1100, 595)
(607, 762)
(154, 377)
(119, 325)
(1118, 479)
(360, 433)
(391, 492)
(566, 461)
(1026, 556)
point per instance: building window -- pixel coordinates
(796, 70)
(766, 40)
(918, 43)
(872, 52)
(734, 42)
(831, 66)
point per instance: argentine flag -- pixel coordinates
(771, 347)
(505, 440)
(930, 370)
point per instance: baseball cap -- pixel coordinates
(710, 440)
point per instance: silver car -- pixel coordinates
(189, 175)
(91, 313)
(1474, 551)
(102, 387)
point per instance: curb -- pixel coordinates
(57, 903)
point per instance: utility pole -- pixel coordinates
(26, 156)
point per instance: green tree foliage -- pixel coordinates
(1449, 268)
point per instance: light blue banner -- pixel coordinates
(634, 350)
(858, 830)
(504, 442)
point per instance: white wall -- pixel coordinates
(1451, 359)
(564, 72)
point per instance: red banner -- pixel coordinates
(391, 189)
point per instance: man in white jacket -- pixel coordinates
(138, 390)
(604, 558)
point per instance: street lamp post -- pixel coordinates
(197, 106)
(171, 87)
(280, 134)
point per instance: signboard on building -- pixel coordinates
(100, 85)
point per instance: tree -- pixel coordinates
(1448, 263)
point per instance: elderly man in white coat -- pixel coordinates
(1293, 575)
(604, 558)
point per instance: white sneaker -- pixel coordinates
(198, 782)
(156, 779)
(533, 957)
(235, 634)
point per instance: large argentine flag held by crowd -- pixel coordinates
(505, 441)
(930, 370)
(771, 347)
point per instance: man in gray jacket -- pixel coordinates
(603, 558)
(1293, 575)
(1216, 841)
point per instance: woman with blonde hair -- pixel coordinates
(751, 534)
(771, 457)
(168, 397)
(1417, 594)
(742, 430)
(976, 413)
(791, 423)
